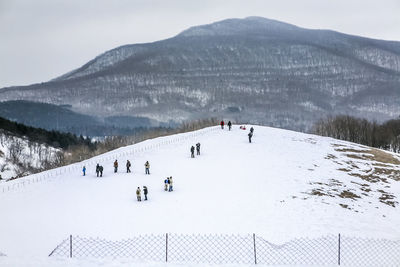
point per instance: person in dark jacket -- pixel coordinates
(115, 165)
(229, 125)
(128, 166)
(101, 170)
(250, 136)
(192, 151)
(145, 191)
(198, 149)
(97, 169)
(252, 130)
(222, 124)
(84, 171)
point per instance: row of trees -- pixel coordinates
(385, 136)
(52, 138)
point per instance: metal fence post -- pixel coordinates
(254, 245)
(166, 247)
(70, 246)
(339, 249)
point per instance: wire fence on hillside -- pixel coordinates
(134, 150)
(237, 249)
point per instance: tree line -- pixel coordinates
(52, 138)
(344, 127)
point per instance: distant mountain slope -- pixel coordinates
(61, 118)
(251, 69)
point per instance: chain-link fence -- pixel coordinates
(238, 249)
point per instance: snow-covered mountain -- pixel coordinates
(283, 185)
(252, 69)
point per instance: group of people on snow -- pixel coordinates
(168, 184)
(222, 123)
(139, 193)
(250, 135)
(197, 150)
(99, 168)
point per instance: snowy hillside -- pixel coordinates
(19, 156)
(283, 185)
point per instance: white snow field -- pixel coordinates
(284, 185)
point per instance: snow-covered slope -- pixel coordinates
(19, 156)
(284, 185)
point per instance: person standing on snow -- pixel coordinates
(84, 171)
(250, 136)
(198, 149)
(115, 166)
(229, 125)
(252, 130)
(145, 191)
(128, 166)
(139, 197)
(166, 184)
(97, 169)
(192, 151)
(222, 124)
(147, 167)
(101, 171)
(170, 189)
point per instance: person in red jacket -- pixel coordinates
(222, 124)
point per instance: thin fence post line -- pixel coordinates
(339, 249)
(166, 247)
(70, 246)
(255, 251)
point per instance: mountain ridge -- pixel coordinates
(255, 70)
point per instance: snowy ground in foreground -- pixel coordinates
(234, 187)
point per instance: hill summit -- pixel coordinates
(253, 69)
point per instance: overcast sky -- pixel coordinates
(43, 39)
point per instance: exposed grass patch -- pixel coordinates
(348, 194)
(330, 156)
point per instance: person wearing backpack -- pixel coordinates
(115, 166)
(128, 166)
(250, 136)
(101, 170)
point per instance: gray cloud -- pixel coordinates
(43, 39)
